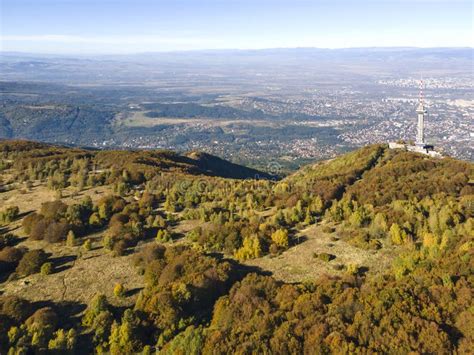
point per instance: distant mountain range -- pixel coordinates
(69, 68)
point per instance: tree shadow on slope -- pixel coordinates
(62, 263)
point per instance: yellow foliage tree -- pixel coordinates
(280, 238)
(119, 290)
(397, 234)
(429, 240)
(250, 249)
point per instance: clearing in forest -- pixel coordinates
(299, 263)
(78, 275)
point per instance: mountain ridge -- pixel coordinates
(143, 161)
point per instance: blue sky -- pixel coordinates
(120, 26)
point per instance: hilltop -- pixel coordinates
(124, 251)
(140, 164)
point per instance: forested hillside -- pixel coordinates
(130, 251)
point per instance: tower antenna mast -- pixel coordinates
(421, 111)
(421, 90)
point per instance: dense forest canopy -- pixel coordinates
(201, 238)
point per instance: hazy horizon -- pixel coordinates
(121, 27)
(223, 50)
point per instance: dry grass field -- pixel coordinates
(78, 276)
(299, 264)
(30, 199)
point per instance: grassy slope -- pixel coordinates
(353, 173)
(371, 174)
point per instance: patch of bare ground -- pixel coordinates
(299, 264)
(186, 226)
(78, 275)
(267, 212)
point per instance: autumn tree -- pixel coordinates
(280, 238)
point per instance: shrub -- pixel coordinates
(7, 240)
(98, 304)
(163, 236)
(56, 232)
(62, 341)
(31, 262)
(352, 269)
(87, 245)
(53, 210)
(16, 308)
(44, 319)
(29, 222)
(326, 257)
(118, 218)
(35, 226)
(71, 239)
(9, 214)
(94, 220)
(46, 268)
(11, 255)
(328, 229)
(119, 290)
(273, 249)
(149, 253)
(363, 240)
(120, 248)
